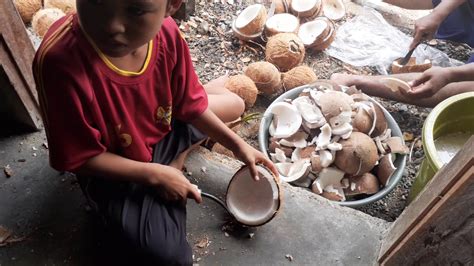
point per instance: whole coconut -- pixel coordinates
(298, 76)
(43, 19)
(244, 87)
(266, 77)
(333, 103)
(27, 8)
(358, 155)
(67, 6)
(285, 50)
(362, 121)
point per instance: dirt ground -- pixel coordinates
(215, 52)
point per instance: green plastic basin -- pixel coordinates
(454, 115)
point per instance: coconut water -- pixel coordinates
(447, 146)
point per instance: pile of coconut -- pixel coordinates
(334, 141)
(41, 17)
(309, 21)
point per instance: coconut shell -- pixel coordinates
(334, 9)
(282, 6)
(358, 155)
(280, 23)
(266, 77)
(298, 76)
(67, 6)
(364, 184)
(380, 121)
(285, 50)
(409, 67)
(256, 25)
(44, 18)
(244, 37)
(333, 103)
(244, 87)
(385, 169)
(305, 29)
(362, 121)
(310, 13)
(326, 42)
(27, 8)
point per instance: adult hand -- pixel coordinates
(251, 157)
(425, 29)
(172, 184)
(430, 82)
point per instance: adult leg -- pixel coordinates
(411, 4)
(227, 105)
(371, 85)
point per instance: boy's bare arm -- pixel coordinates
(210, 124)
(169, 180)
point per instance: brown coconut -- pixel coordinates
(314, 32)
(358, 155)
(305, 8)
(252, 19)
(380, 121)
(266, 77)
(43, 19)
(333, 103)
(326, 42)
(385, 169)
(244, 87)
(27, 8)
(67, 6)
(282, 6)
(364, 184)
(285, 50)
(362, 121)
(298, 76)
(410, 66)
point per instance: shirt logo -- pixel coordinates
(125, 139)
(163, 115)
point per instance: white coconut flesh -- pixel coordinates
(248, 15)
(288, 119)
(302, 6)
(291, 172)
(308, 110)
(282, 23)
(327, 176)
(324, 138)
(334, 9)
(395, 84)
(253, 202)
(311, 32)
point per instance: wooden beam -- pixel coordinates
(434, 228)
(16, 57)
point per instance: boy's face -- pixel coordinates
(119, 27)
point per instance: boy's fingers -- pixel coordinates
(271, 166)
(195, 194)
(253, 171)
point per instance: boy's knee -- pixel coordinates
(238, 105)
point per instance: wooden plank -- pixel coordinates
(16, 57)
(449, 194)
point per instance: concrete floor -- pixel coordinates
(48, 209)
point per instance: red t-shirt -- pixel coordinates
(89, 106)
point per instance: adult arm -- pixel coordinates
(426, 27)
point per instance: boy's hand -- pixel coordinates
(430, 82)
(251, 157)
(172, 184)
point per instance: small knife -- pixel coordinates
(405, 59)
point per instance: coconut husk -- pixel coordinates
(27, 8)
(44, 18)
(67, 6)
(298, 76)
(282, 6)
(244, 87)
(266, 77)
(285, 50)
(359, 154)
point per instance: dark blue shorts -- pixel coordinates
(459, 25)
(155, 229)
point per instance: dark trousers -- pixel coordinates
(154, 227)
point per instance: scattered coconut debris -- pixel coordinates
(289, 257)
(351, 153)
(204, 169)
(8, 171)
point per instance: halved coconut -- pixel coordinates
(410, 66)
(385, 169)
(281, 23)
(364, 184)
(244, 87)
(314, 32)
(380, 121)
(253, 203)
(395, 145)
(44, 18)
(27, 8)
(305, 8)
(282, 6)
(395, 84)
(333, 103)
(327, 176)
(245, 37)
(308, 110)
(294, 172)
(67, 6)
(333, 193)
(251, 20)
(362, 120)
(285, 50)
(326, 42)
(334, 9)
(298, 76)
(358, 155)
(266, 77)
(340, 120)
(288, 119)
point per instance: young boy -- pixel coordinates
(122, 106)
